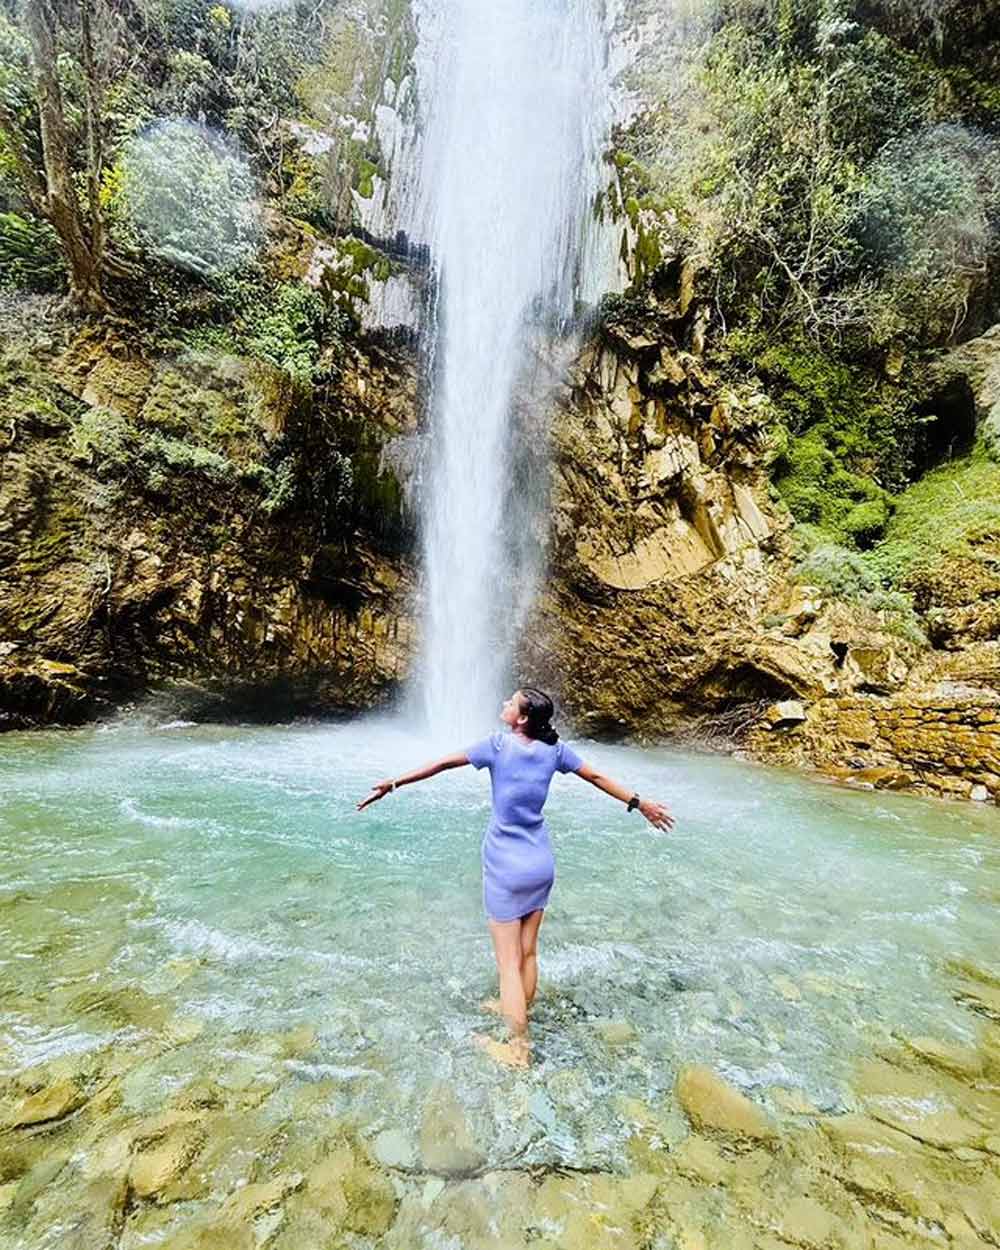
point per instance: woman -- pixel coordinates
(518, 868)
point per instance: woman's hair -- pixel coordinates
(538, 708)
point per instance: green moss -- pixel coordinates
(948, 511)
(866, 522)
(347, 282)
(818, 490)
(647, 256)
(852, 578)
(365, 178)
(843, 439)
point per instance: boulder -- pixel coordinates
(785, 714)
(53, 1102)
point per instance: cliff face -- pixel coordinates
(195, 520)
(669, 605)
(664, 548)
(674, 603)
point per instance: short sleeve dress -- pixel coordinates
(518, 866)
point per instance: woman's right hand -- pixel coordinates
(657, 814)
(379, 790)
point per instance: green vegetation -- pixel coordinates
(948, 512)
(836, 163)
(29, 254)
(850, 577)
(291, 332)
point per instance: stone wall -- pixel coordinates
(935, 745)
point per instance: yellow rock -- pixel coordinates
(948, 1056)
(806, 1223)
(165, 1159)
(713, 1105)
(702, 1160)
(52, 1103)
(793, 1101)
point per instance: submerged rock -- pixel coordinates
(446, 1143)
(715, 1106)
(393, 1149)
(53, 1102)
(161, 1158)
(616, 1032)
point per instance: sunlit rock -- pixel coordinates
(785, 714)
(712, 1104)
(349, 1193)
(960, 1061)
(161, 1159)
(52, 1102)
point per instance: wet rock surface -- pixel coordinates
(669, 609)
(150, 535)
(251, 1161)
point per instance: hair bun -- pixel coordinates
(538, 708)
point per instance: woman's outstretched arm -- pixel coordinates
(656, 813)
(382, 788)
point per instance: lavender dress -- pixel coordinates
(518, 868)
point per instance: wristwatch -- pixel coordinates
(633, 803)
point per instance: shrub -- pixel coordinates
(30, 257)
(928, 222)
(191, 196)
(290, 334)
(850, 577)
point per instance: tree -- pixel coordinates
(42, 140)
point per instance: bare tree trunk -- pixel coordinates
(63, 211)
(95, 138)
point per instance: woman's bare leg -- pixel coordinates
(507, 948)
(530, 925)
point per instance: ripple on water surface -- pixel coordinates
(218, 881)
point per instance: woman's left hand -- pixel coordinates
(379, 790)
(657, 815)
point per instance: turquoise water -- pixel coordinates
(218, 882)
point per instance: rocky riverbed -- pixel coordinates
(245, 1156)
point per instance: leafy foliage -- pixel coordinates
(829, 158)
(191, 197)
(291, 332)
(931, 225)
(845, 575)
(29, 254)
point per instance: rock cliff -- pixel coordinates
(674, 603)
(195, 520)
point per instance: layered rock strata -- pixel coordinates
(670, 606)
(192, 520)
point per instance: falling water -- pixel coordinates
(515, 100)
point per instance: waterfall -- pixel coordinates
(514, 108)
